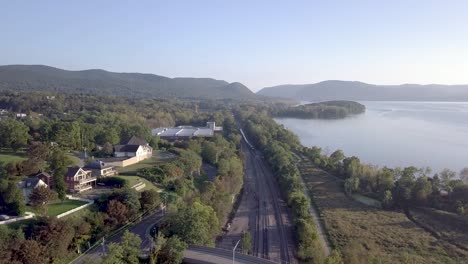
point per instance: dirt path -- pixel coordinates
(315, 215)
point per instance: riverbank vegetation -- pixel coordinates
(401, 188)
(431, 206)
(366, 234)
(322, 110)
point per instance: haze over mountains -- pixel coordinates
(359, 91)
(101, 82)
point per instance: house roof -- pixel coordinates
(126, 148)
(29, 183)
(72, 171)
(136, 141)
(45, 174)
(97, 164)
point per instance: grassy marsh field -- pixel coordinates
(366, 234)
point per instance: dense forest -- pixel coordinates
(322, 110)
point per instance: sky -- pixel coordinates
(257, 43)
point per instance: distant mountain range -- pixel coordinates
(100, 82)
(359, 91)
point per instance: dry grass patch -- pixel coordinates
(366, 234)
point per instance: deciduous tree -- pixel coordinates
(40, 197)
(172, 252)
(13, 134)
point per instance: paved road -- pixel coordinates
(142, 229)
(204, 255)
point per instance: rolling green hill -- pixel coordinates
(100, 82)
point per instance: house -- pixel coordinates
(101, 169)
(46, 178)
(79, 179)
(135, 147)
(28, 185)
(185, 132)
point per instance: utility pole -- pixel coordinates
(234, 252)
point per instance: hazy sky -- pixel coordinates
(258, 43)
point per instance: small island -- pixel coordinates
(321, 110)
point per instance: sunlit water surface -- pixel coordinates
(394, 134)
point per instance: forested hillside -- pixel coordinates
(100, 82)
(359, 91)
(322, 110)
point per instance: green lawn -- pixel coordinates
(57, 207)
(147, 163)
(81, 213)
(133, 180)
(7, 156)
(22, 223)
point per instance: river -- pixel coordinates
(394, 134)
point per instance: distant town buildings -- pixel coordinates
(182, 132)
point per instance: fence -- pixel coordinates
(28, 215)
(89, 202)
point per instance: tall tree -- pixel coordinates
(125, 252)
(194, 224)
(421, 190)
(13, 134)
(58, 162)
(38, 153)
(464, 175)
(149, 199)
(172, 252)
(447, 176)
(28, 252)
(11, 198)
(40, 197)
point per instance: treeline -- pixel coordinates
(51, 240)
(397, 187)
(322, 110)
(277, 145)
(77, 122)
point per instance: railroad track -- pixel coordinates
(270, 235)
(261, 223)
(285, 255)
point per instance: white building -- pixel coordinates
(135, 147)
(181, 132)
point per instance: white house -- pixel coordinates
(135, 147)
